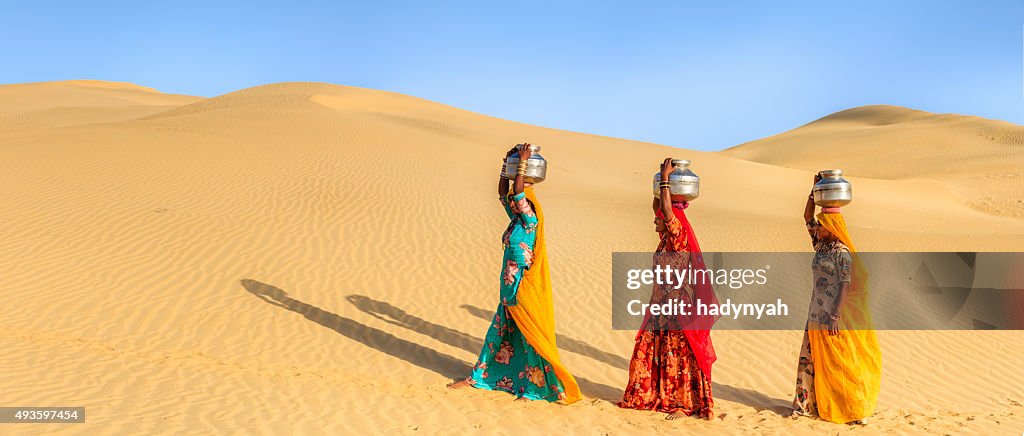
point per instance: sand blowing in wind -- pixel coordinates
(300, 257)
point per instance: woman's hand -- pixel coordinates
(817, 178)
(524, 155)
(525, 152)
(666, 169)
(833, 327)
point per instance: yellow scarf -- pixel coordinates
(535, 314)
(848, 366)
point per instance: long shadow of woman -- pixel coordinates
(396, 316)
(444, 364)
(379, 340)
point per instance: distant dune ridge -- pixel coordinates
(31, 97)
(981, 160)
(53, 104)
(306, 257)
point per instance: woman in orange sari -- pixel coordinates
(839, 371)
(670, 370)
(519, 355)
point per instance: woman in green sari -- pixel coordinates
(519, 354)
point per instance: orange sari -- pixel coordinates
(847, 383)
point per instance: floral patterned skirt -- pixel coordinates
(509, 363)
(664, 376)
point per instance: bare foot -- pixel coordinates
(521, 398)
(795, 415)
(460, 384)
(675, 415)
(710, 416)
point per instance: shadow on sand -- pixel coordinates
(413, 353)
(451, 367)
(393, 315)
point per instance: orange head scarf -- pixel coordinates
(854, 313)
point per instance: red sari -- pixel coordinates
(670, 370)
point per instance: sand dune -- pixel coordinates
(59, 104)
(981, 161)
(304, 257)
(31, 97)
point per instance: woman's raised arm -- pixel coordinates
(664, 192)
(524, 156)
(503, 179)
(809, 206)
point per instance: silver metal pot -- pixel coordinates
(684, 185)
(536, 166)
(832, 190)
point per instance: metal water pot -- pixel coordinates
(684, 185)
(536, 166)
(832, 190)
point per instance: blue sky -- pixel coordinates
(698, 75)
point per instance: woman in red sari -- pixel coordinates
(670, 370)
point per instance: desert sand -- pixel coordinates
(320, 259)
